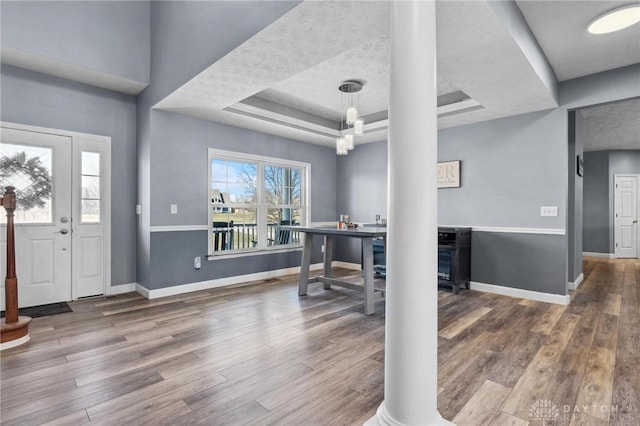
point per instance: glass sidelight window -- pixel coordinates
(90, 209)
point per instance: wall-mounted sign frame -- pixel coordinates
(449, 174)
(580, 166)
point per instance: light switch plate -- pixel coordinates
(549, 211)
(174, 209)
(197, 264)
(138, 209)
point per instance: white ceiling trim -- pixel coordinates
(57, 68)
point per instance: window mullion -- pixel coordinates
(262, 208)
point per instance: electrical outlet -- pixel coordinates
(174, 209)
(197, 262)
(549, 211)
(138, 209)
(322, 248)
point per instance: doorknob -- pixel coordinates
(63, 231)
(635, 221)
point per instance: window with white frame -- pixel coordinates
(250, 198)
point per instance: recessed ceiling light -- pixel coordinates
(615, 20)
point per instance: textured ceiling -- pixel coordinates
(612, 126)
(561, 30)
(284, 80)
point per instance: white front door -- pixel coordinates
(38, 165)
(626, 216)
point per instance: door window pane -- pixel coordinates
(91, 188)
(29, 170)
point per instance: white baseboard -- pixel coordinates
(122, 288)
(558, 299)
(142, 291)
(574, 285)
(13, 343)
(346, 265)
(604, 255)
(221, 282)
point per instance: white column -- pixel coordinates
(411, 347)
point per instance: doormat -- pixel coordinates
(43, 310)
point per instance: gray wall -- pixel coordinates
(600, 170)
(38, 100)
(595, 228)
(178, 53)
(361, 191)
(619, 84)
(575, 199)
(180, 163)
(524, 261)
(510, 167)
(620, 162)
(107, 36)
(179, 176)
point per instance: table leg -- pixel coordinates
(328, 257)
(305, 264)
(367, 248)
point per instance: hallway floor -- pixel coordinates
(258, 354)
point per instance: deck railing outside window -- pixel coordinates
(245, 236)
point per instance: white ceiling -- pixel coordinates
(561, 30)
(284, 79)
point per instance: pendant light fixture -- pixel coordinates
(351, 118)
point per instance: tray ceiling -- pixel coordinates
(284, 79)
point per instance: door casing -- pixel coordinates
(80, 140)
(636, 226)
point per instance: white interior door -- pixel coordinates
(31, 161)
(626, 216)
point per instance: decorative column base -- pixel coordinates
(382, 418)
(15, 333)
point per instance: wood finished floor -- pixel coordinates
(259, 355)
